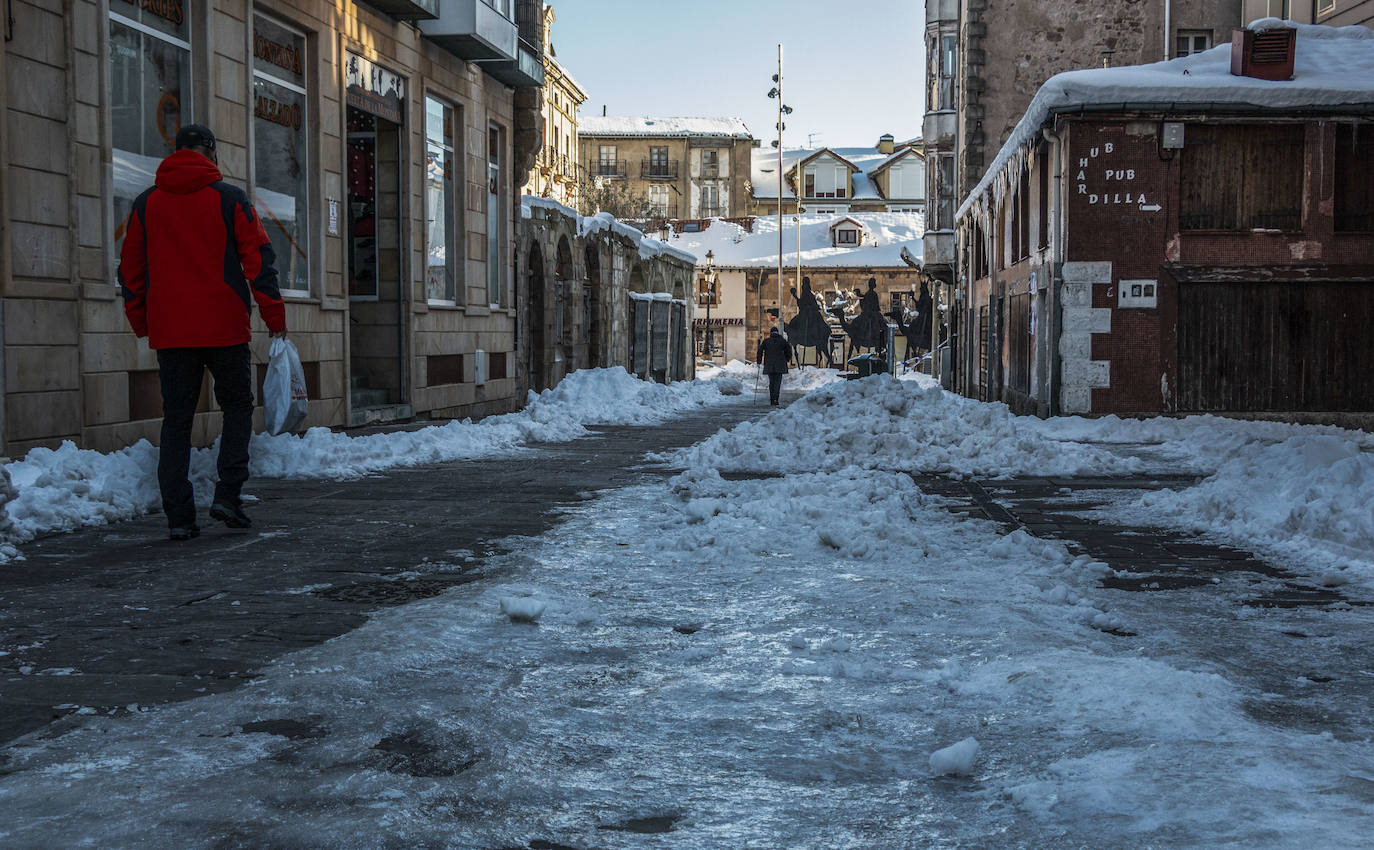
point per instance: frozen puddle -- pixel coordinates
(779, 662)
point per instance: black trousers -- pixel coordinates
(182, 370)
(774, 387)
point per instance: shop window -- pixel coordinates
(1355, 177)
(1242, 177)
(441, 209)
(281, 149)
(150, 96)
(496, 178)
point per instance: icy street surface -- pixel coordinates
(808, 651)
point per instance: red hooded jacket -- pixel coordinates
(194, 252)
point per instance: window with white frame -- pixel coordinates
(281, 149)
(1325, 7)
(606, 164)
(441, 209)
(906, 180)
(708, 201)
(496, 230)
(658, 199)
(1189, 42)
(1278, 9)
(824, 180)
(150, 97)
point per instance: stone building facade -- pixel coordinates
(600, 294)
(1192, 256)
(685, 167)
(384, 144)
(556, 169)
(987, 58)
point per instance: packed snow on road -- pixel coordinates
(808, 651)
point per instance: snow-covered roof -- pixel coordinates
(866, 161)
(885, 235)
(638, 125)
(648, 246)
(1334, 68)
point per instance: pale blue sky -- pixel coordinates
(852, 71)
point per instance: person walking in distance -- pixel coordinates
(195, 253)
(774, 353)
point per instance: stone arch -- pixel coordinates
(538, 337)
(565, 311)
(593, 301)
(637, 323)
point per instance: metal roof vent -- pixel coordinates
(1263, 54)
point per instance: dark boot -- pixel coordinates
(230, 514)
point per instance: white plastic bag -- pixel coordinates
(284, 400)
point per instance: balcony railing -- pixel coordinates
(550, 159)
(607, 168)
(659, 168)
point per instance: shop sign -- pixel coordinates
(285, 56)
(285, 114)
(714, 322)
(168, 10)
(374, 89)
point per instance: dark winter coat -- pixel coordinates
(774, 353)
(195, 256)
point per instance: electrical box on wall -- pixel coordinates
(1138, 293)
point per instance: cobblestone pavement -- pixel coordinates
(118, 617)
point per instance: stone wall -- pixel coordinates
(75, 372)
(580, 276)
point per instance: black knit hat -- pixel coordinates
(195, 136)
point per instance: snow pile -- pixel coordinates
(648, 247)
(956, 759)
(885, 423)
(66, 488)
(523, 609)
(1310, 496)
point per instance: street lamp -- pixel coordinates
(710, 279)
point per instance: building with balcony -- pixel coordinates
(383, 144)
(555, 172)
(887, 177)
(684, 167)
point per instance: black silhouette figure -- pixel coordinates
(809, 326)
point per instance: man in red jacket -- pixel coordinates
(194, 252)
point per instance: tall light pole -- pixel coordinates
(783, 109)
